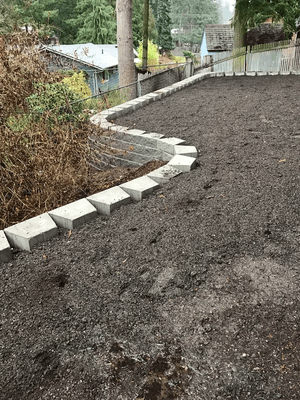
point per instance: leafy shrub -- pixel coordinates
(57, 98)
(43, 156)
(19, 122)
(189, 54)
(153, 54)
(113, 98)
(78, 83)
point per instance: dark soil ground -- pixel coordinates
(192, 293)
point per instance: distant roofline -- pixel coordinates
(60, 53)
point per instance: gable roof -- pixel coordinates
(87, 53)
(100, 56)
(219, 37)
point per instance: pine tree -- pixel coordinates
(163, 24)
(95, 22)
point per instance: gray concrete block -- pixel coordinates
(121, 110)
(137, 157)
(251, 73)
(96, 119)
(240, 73)
(170, 89)
(183, 163)
(207, 75)
(229, 73)
(159, 94)
(168, 144)
(111, 115)
(219, 74)
(5, 250)
(153, 96)
(143, 100)
(164, 174)
(128, 147)
(189, 151)
(108, 200)
(139, 188)
(28, 233)
(135, 104)
(136, 132)
(150, 139)
(116, 161)
(262, 73)
(273, 73)
(295, 72)
(163, 92)
(118, 128)
(105, 125)
(285, 72)
(74, 214)
(126, 136)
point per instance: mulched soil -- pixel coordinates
(192, 293)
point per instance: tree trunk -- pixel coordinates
(127, 73)
(145, 34)
(239, 34)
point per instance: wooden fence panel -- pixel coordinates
(264, 61)
(225, 66)
(281, 56)
(239, 60)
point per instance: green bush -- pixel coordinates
(153, 54)
(78, 83)
(19, 122)
(55, 97)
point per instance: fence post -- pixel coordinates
(247, 58)
(139, 89)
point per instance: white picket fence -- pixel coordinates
(281, 56)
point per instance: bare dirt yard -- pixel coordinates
(192, 293)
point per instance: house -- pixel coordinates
(216, 38)
(99, 61)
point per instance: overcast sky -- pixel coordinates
(231, 3)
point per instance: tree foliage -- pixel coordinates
(163, 25)
(94, 22)
(191, 16)
(250, 13)
(137, 23)
(73, 21)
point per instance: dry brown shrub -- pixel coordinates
(42, 165)
(21, 66)
(41, 169)
(43, 161)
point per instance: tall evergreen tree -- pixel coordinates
(51, 14)
(191, 16)
(163, 25)
(95, 22)
(137, 23)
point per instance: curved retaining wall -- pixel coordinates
(181, 158)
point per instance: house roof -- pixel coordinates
(101, 56)
(219, 37)
(88, 53)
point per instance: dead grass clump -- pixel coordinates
(40, 169)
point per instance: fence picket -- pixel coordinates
(281, 56)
